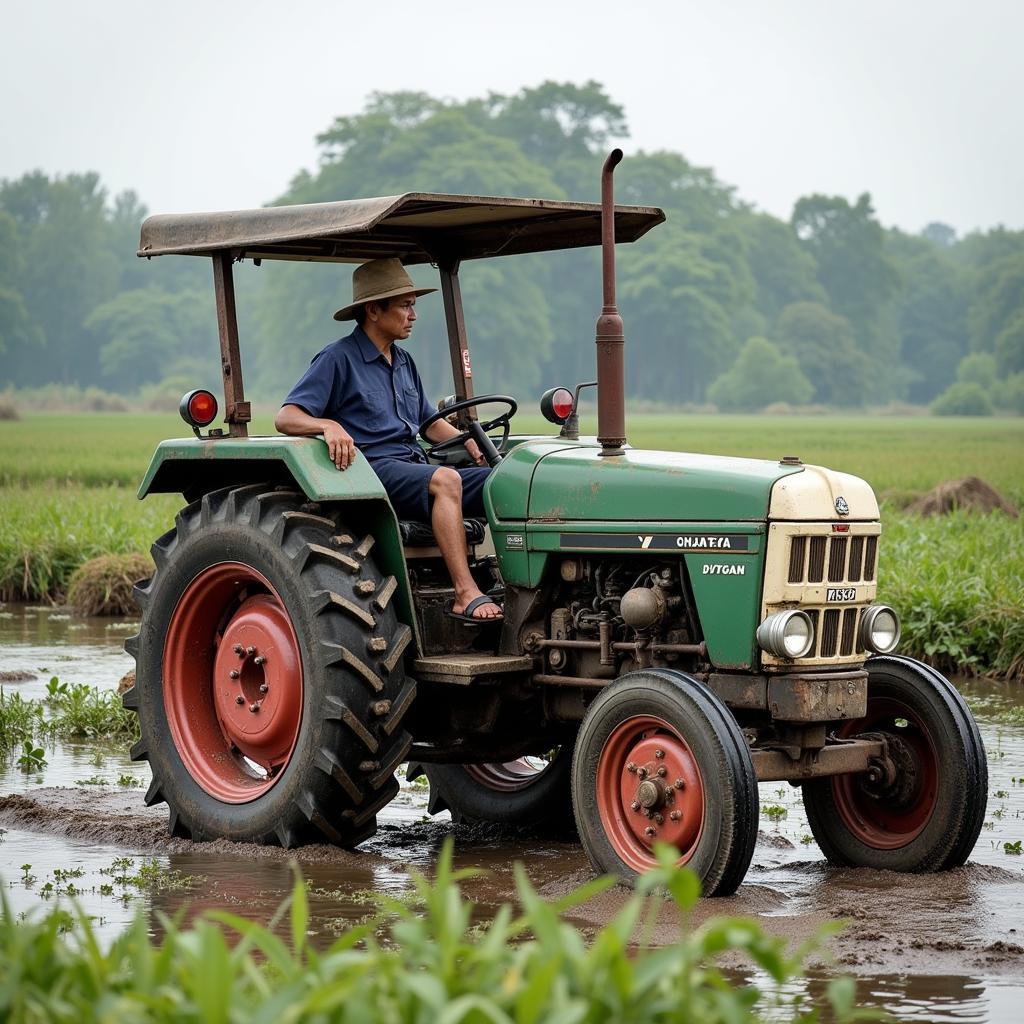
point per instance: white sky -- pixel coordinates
(215, 105)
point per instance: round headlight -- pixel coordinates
(879, 629)
(786, 634)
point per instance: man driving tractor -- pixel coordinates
(363, 393)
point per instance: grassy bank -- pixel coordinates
(958, 584)
(47, 531)
(897, 456)
(67, 494)
(434, 959)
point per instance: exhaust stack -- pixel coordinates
(611, 386)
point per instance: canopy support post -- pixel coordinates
(236, 410)
(458, 346)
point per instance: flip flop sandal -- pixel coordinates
(467, 614)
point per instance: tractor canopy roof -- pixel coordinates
(417, 227)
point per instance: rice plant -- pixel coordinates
(440, 961)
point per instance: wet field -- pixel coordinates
(946, 947)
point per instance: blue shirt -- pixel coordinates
(381, 405)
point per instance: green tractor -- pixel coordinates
(677, 627)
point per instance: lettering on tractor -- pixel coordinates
(295, 649)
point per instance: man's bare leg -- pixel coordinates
(446, 521)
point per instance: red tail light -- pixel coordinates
(198, 408)
(556, 405)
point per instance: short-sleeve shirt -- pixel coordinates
(381, 405)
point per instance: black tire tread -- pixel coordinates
(332, 800)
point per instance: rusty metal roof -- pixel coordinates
(418, 227)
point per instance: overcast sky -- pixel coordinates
(215, 105)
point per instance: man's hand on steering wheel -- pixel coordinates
(476, 432)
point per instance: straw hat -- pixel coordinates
(376, 280)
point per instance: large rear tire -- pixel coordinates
(528, 793)
(926, 811)
(659, 758)
(269, 683)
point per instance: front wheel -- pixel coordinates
(922, 807)
(659, 758)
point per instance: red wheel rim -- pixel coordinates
(639, 772)
(232, 682)
(878, 822)
(509, 776)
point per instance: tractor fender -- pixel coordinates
(193, 466)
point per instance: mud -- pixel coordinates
(967, 919)
(927, 947)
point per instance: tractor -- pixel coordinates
(677, 627)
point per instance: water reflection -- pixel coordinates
(965, 921)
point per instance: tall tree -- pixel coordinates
(860, 277)
(825, 349)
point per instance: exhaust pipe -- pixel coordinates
(611, 385)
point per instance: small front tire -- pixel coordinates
(659, 758)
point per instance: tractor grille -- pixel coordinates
(805, 561)
(848, 559)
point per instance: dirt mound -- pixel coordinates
(968, 493)
(103, 586)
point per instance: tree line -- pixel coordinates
(723, 304)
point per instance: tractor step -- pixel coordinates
(464, 669)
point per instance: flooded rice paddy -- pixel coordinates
(946, 947)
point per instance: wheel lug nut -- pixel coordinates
(233, 673)
(642, 772)
(650, 831)
(239, 699)
(662, 771)
(238, 649)
(680, 783)
(647, 812)
(659, 753)
(658, 819)
(635, 805)
(254, 708)
(250, 650)
(258, 660)
(631, 767)
(264, 688)
(675, 815)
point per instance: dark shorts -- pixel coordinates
(408, 485)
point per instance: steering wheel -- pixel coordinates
(476, 430)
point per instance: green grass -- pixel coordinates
(69, 712)
(438, 961)
(67, 494)
(958, 584)
(897, 455)
(46, 532)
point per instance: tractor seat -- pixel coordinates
(418, 538)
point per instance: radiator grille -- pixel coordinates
(797, 554)
(829, 633)
(847, 559)
(869, 558)
(849, 631)
(856, 559)
(807, 559)
(837, 560)
(816, 563)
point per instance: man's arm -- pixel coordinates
(294, 420)
(442, 430)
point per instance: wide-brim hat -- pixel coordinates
(376, 280)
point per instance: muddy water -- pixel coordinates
(944, 947)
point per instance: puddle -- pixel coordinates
(946, 947)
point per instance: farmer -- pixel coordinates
(363, 394)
